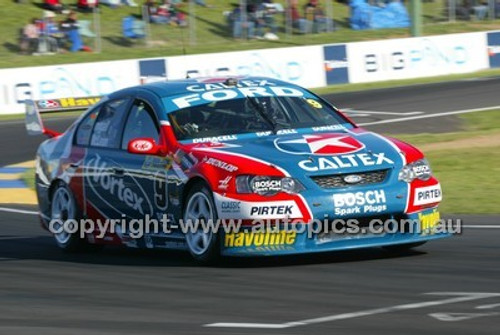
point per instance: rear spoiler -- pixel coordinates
(34, 108)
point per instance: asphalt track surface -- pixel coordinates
(371, 291)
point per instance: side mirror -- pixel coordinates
(143, 146)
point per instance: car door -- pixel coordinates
(104, 180)
(149, 171)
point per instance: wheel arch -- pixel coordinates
(189, 185)
(53, 186)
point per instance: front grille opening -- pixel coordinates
(363, 227)
(337, 180)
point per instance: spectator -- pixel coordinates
(50, 32)
(30, 36)
(71, 22)
(87, 5)
(177, 17)
(156, 14)
(265, 20)
(315, 13)
(480, 10)
(464, 10)
(53, 5)
(70, 29)
(256, 19)
(166, 13)
(298, 22)
(240, 22)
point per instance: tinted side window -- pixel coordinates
(140, 123)
(108, 127)
(85, 128)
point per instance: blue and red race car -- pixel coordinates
(249, 151)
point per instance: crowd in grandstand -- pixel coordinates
(48, 35)
(59, 30)
(45, 35)
(258, 19)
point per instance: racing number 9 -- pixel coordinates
(160, 189)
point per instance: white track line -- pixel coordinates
(459, 297)
(426, 116)
(488, 306)
(362, 111)
(19, 211)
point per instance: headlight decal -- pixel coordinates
(267, 185)
(419, 169)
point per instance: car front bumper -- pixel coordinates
(306, 238)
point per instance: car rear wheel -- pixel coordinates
(403, 247)
(64, 215)
(199, 210)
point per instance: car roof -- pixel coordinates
(176, 87)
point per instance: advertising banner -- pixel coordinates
(309, 66)
(336, 64)
(494, 48)
(63, 81)
(298, 65)
(416, 57)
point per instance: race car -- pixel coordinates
(261, 166)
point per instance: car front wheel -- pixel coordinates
(200, 210)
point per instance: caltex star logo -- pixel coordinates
(319, 144)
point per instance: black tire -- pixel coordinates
(66, 241)
(208, 251)
(403, 247)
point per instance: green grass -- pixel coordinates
(469, 178)
(474, 124)
(211, 32)
(29, 178)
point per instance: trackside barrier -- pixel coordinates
(309, 66)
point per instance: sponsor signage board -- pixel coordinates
(54, 83)
(299, 65)
(309, 66)
(494, 48)
(336, 64)
(416, 57)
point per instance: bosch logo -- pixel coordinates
(48, 104)
(319, 144)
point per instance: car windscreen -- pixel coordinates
(253, 115)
